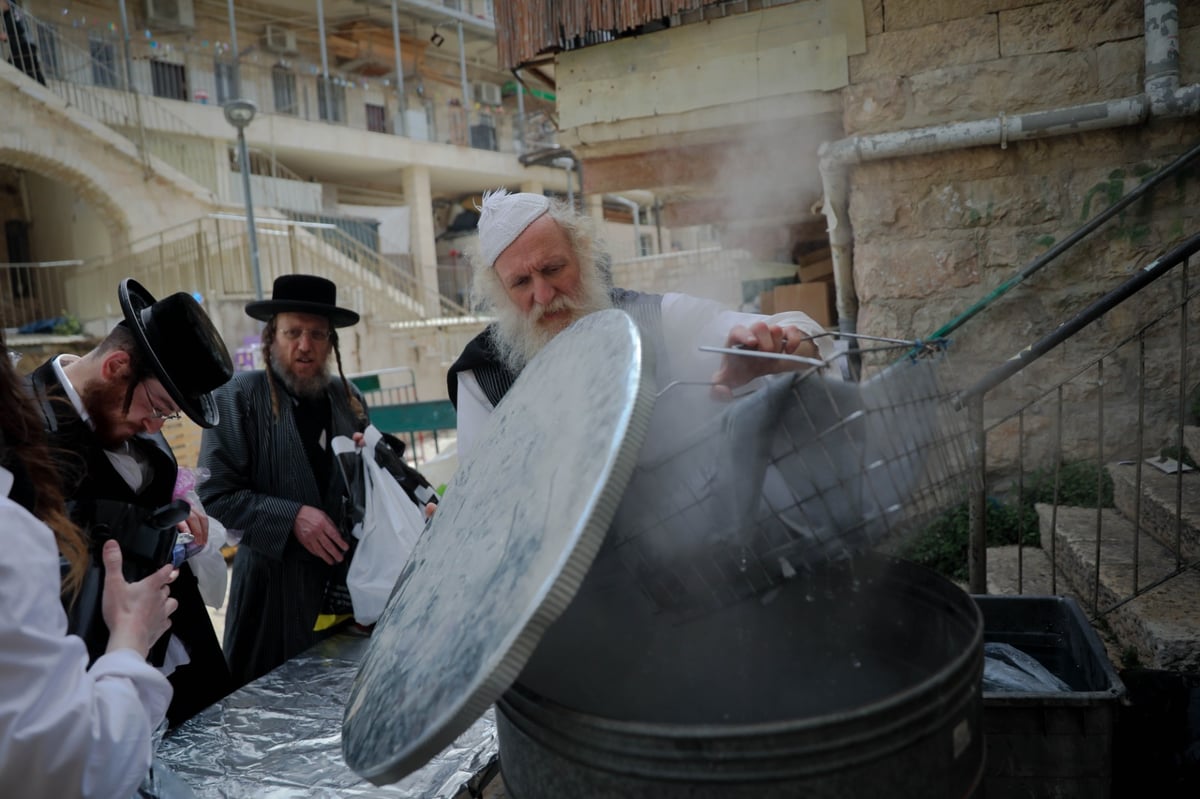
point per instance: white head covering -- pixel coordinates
(503, 217)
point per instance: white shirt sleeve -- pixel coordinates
(690, 322)
(472, 412)
(65, 730)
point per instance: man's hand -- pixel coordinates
(137, 614)
(736, 371)
(197, 525)
(319, 535)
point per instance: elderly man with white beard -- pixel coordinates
(538, 270)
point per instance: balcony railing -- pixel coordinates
(88, 68)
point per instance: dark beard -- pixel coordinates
(105, 404)
(304, 388)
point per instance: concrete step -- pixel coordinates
(1013, 570)
(1158, 507)
(1162, 624)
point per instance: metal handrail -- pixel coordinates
(1070, 241)
(1144, 277)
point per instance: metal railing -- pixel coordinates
(89, 69)
(1086, 418)
(32, 298)
(211, 255)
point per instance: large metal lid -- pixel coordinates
(519, 526)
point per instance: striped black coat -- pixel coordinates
(260, 478)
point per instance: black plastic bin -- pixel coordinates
(1050, 744)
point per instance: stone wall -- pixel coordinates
(934, 234)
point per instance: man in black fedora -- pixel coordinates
(104, 412)
(274, 476)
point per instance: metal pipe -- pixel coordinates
(324, 95)
(634, 209)
(137, 100)
(244, 157)
(521, 148)
(1162, 97)
(462, 68)
(237, 55)
(401, 100)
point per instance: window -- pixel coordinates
(283, 83)
(376, 118)
(104, 63)
(224, 73)
(48, 51)
(646, 244)
(331, 100)
(168, 80)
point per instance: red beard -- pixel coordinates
(105, 403)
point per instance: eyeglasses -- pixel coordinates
(319, 336)
(155, 413)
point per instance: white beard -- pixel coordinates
(519, 337)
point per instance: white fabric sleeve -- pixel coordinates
(472, 412)
(65, 730)
(689, 322)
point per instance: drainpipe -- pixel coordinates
(1162, 97)
(633, 209)
(325, 98)
(401, 124)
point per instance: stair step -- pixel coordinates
(1013, 570)
(1159, 504)
(1162, 624)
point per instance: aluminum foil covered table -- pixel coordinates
(280, 737)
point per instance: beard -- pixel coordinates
(310, 387)
(104, 402)
(519, 336)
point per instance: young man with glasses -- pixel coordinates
(273, 475)
(104, 412)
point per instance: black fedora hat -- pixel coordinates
(182, 346)
(303, 294)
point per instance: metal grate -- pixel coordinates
(805, 469)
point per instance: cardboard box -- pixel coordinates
(766, 302)
(818, 270)
(814, 299)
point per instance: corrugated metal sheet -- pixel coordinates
(528, 28)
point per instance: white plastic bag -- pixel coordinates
(208, 565)
(389, 530)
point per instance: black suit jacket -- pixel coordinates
(88, 475)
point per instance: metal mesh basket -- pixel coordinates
(804, 470)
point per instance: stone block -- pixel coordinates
(1011, 200)
(1014, 86)
(1157, 506)
(1068, 25)
(914, 269)
(873, 16)
(910, 52)
(903, 14)
(1120, 67)
(874, 106)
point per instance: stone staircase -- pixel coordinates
(1162, 623)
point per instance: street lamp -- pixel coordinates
(239, 113)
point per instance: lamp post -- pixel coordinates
(239, 113)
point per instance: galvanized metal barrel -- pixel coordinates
(862, 679)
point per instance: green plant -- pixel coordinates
(1183, 456)
(68, 325)
(1077, 483)
(943, 544)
